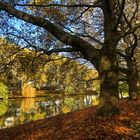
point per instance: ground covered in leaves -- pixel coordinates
(82, 125)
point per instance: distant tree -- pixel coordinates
(21, 65)
(69, 75)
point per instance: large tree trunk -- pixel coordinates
(108, 72)
(108, 63)
(108, 82)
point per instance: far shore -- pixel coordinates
(46, 95)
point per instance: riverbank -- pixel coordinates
(48, 95)
(81, 125)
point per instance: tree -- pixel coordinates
(131, 71)
(8, 53)
(69, 75)
(130, 45)
(104, 57)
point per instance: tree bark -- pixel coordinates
(108, 85)
(133, 87)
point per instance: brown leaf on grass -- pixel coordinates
(123, 130)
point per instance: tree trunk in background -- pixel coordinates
(133, 85)
(137, 77)
(138, 84)
(133, 79)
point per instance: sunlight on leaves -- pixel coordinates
(3, 91)
(123, 130)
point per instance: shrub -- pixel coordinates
(3, 106)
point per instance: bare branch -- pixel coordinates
(81, 14)
(132, 30)
(134, 46)
(120, 15)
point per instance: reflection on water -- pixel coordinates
(27, 105)
(19, 111)
(3, 106)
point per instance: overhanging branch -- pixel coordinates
(69, 39)
(96, 4)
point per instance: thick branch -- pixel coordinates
(79, 44)
(97, 4)
(93, 38)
